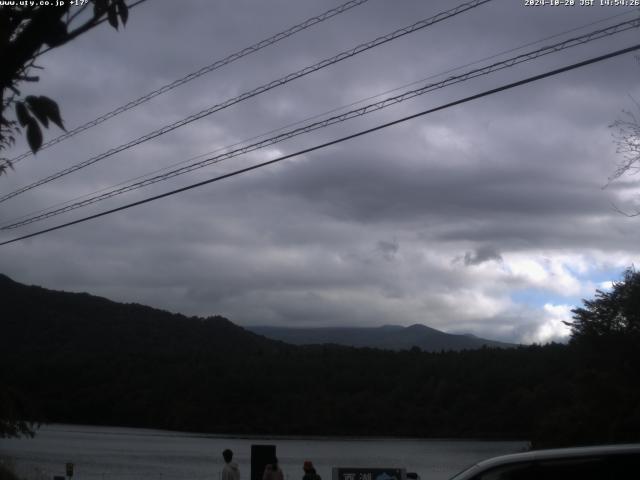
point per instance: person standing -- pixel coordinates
(230, 470)
(309, 471)
(273, 471)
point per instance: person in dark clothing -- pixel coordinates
(309, 471)
(273, 471)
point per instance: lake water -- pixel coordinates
(107, 453)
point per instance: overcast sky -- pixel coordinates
(488, 218)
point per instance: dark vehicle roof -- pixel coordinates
(552, 454)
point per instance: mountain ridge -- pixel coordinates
(386, 337)
(129, 317)
(54, 319)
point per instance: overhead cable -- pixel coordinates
(572, 42)
(257, 91)
(334, 142)
(198, 73)
(317, 115)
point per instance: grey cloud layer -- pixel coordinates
(424, 222)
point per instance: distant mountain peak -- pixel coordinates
(420, 326)
(102, 316)
(387, 337)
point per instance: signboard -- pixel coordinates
(376, 473)
(69, 469)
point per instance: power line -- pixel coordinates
(198, 73)
(572, 42)
(336, 119)
(316, 116)
(337, 141)
(252, 93)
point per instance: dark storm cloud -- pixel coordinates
(388, 249)
(365, 232)
(481, 255)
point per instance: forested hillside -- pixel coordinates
(79, 358)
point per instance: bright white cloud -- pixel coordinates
(552, 327)
(608, 285)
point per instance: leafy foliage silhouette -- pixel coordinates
(613, 313)
(27, 32)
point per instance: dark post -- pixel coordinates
(261, 456)
(69, 469)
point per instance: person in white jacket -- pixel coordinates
(230, 470)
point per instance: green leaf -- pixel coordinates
(34, 135)
(123, 11)
(22, 114)
(112, 16)
(45, 107)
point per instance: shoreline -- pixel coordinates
(158, 432)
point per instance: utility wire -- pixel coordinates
(595, 35)
(307, 119)
(336, 119)
(252, 93)
(198, 73)
(314, 117)
(337, 141)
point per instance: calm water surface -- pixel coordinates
(107, 453)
